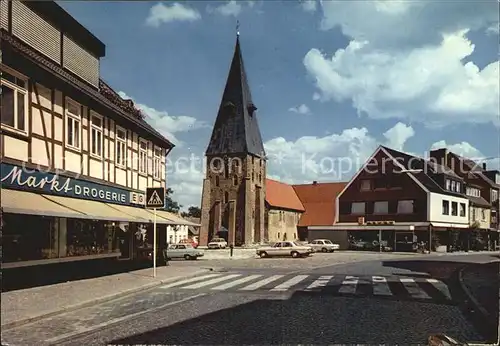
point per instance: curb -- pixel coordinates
(14, 324)
(484, 313)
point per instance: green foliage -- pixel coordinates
(193, 211)
(171, 205)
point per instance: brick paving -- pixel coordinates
(482, 281)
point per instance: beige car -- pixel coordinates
(285, 248)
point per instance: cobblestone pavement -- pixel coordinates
(482, 281)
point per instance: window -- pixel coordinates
(458, 187)
(121, 146)
(381, 207)
(235, 180)
(448, 183)
(483, 214)
(226, 197)
(358, 208)
(494, 195)
(14, 102)
(446, 208)
(462, 209)
(96, 125)
(157, 163)
(454, 208)
(73, 121)
(472, 191)
(366, 185)
(406, 207)
(453, 185)
(217, 180)
(143, 157)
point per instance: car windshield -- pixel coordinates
(328, 242)
(296, 243)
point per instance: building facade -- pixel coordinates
(234, 186)
(283, 212)
(76, 157)
(401, 199)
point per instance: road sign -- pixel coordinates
(155, 197)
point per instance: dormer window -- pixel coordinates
(474, 192)
(251, 109)
(229, 107)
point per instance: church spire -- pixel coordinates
(236, 130)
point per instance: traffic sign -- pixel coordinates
(155, 197)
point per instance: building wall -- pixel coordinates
(436, 209)
(282, 224)
(44, 139)
(176, 233)
(480, 215)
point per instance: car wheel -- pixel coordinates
(263, 254)
(295, 254)
(324, 249)
(187, 257)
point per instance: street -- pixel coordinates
(302, 301)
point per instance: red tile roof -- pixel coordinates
(319, 201)
(281, 195)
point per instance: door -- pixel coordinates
(286, 248)
(275, 250)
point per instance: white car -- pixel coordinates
(217, 243)
(186, 251)
(324, 245)
(285, 248)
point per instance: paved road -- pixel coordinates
(365, 302)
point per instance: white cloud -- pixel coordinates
(230, 8)
(416, 74)
(166, 124)
(494, 29)
(309, 5)
(161, 13)
(302, 109)
(398, 135)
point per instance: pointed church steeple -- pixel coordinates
(236, 129)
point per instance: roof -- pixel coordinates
(104, 95)
(478, 201)
(319, 201)
(236, 129)
(476, 170)
(429, 170)
(283, 196)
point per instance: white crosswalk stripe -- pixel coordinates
(413, 288)
(390, 286)
(261, 283)
(289, 283)
(211, 282)
(236, 282)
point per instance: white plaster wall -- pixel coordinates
(182, 233)
(15, 148)
(436, 209)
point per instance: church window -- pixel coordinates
(216, 180)
(235, 180)
(226, 197)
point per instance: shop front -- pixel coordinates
(49, 218)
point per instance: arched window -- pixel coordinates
(216, 180)
(235, 180)
(226, 197)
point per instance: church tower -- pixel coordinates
(232, 205)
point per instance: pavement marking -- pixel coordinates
(322, 281)
(441, 287)
(236, 282)
(413, 288)
(349, 285)
(73, 335)
(261, 283)
(187, 281)
(380, 286)
(289, 283)
(210, 282)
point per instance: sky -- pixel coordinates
(332, 80)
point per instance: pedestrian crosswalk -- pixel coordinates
(381, 286)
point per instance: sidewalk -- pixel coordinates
(23, 306)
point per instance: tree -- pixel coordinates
(171, 205)
(193, 211)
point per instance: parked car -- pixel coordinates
(285, 248)
(323, 245)
(217, 243)
(186, 251)
(189, 241)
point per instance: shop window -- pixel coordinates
(121, 146)
(143, 157)
(358, 208)
(73, 124)
(96, 126)
(381, 207)
(454, 208)
(87, 237)
(14, 101)
(446, 208)
(157, 163)
(462, 209)
(406, 207)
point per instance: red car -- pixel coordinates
(189, 241)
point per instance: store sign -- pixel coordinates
(50, 183)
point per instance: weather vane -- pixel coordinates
(237, 28)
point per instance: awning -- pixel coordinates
(94, 210)
(356, 227)
(22, 202)
(140, 214)
(175, 220)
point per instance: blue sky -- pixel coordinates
(331, 80)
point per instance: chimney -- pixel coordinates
(484, 166)
(315, 182)
(439, 156)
